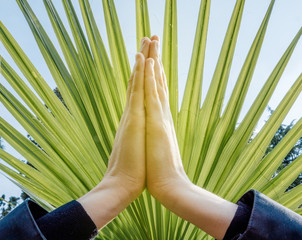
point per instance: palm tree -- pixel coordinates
(217, 153)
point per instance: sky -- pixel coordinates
(285, 22)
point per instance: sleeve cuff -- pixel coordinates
(269, 219)
(68, 222)
(21, 223)
(30, 221)
(239, 222)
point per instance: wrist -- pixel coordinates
(128, 187)
(122, 191)
(170, 190)
(200, 207)
(105, 201)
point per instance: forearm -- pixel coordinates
(206, 210)
(105, 202)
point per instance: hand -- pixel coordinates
(127, 161)
(124, 180)
(166, 178)
(164, 165)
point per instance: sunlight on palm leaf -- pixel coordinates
(77, 141)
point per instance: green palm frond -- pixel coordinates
(76, 140)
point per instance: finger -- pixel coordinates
(145, 50)
(129, 89)
(164, 77)
(137, 91)
(154, 37)
(154, 49)
(145, 42)
(154, 53)
(130, 85)
(151, 94)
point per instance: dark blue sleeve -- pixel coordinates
(68, 222)
(239, 222)
(21, 223)
(268, 219)
(30, 221)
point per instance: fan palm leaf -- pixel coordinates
(75, 142)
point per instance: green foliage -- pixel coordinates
(292, 155)
(6, 206)
(77, 136)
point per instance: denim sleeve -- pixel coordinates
(269, 219)
(21, 224)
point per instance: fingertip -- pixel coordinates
(144, 49)
(155, 37)
(145, 39)
(150, 62)
(139, 57)
(145, 42)
(154, 49)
